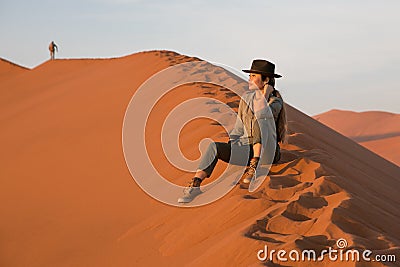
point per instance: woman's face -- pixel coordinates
(255, 81)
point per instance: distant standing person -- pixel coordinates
(53, 48)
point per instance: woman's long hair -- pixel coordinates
(281, 123)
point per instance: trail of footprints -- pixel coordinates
(308, 210)
(304, 195)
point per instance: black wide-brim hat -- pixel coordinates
(263, 67)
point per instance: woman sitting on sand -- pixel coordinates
(245, 138)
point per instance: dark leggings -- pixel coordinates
(241, 155)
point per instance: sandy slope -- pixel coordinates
(376, 130)
(9, 69)
(68, 198)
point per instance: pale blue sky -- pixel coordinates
(332, 54)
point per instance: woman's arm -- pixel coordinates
(238, 130)
(257, 132)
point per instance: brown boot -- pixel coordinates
(250, 171)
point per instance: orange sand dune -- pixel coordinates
(68, 198)
(9, 69)
(376, 130)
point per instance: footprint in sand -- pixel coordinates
(303, 193)
(230, 95)
(286, 179)
(289, 220)
(209, 93)
(233, 104)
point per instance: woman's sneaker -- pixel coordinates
(191, 191)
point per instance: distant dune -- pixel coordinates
(68, 199)
(376, 130)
